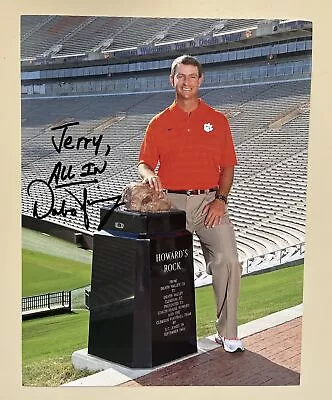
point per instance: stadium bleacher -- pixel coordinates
(266, 157)
(80, 34)
(269, 121)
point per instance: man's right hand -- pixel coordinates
(149, 176)
(154, 182)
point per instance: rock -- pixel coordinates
(141, 197)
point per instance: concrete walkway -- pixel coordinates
(272, 357)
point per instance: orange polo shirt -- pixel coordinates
(191, 148)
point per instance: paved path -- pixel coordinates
(272, 357)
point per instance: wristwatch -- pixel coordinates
(221, 197)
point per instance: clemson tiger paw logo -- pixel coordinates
(208, 127)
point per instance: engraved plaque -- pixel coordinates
(142, 301)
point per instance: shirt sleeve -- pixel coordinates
(228, 157)
(149, 154)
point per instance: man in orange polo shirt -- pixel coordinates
(193, 144)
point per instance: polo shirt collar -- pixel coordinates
(178, 110)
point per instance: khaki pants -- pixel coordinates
(220, 254)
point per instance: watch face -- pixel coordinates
(222, 197)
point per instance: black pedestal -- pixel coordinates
(142, 300)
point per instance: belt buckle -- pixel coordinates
(188, 192)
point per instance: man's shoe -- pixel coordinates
(230, 345)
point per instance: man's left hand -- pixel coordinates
(214, 213)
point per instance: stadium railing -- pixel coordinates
(239, 75)
(46, 302)
(215, 59)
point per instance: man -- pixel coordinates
(193, 144)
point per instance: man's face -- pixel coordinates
(186, 81)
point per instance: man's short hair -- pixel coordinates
(186, 60)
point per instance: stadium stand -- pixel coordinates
(79, 34)
(49, 32)
(269, 119)
(95, 36)
(266, 157)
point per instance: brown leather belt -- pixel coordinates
(190, 192)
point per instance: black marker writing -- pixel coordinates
(68, 142)
(61, 172)
(63, 176)
(72, 211)
(110, 211)
(93, 171)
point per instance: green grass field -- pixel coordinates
(43, 273)
(260, 295)
(62, 334)
(48, 342)
(51, 245)
(54, 336)
(51, 264)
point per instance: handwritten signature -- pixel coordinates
(62, 176)
(71, 211)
